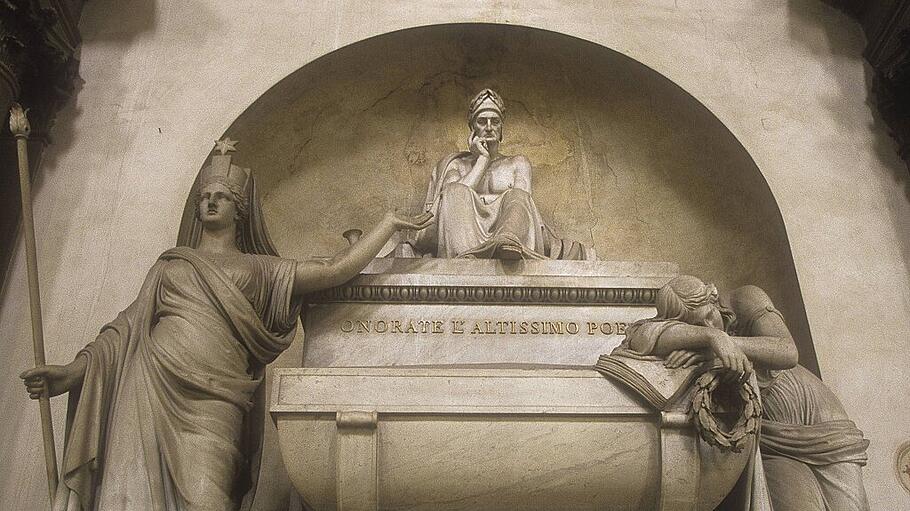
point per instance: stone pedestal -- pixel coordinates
(450, 384)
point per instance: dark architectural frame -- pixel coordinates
(39, 69)
(887, 27)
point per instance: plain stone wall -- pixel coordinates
(164, 79)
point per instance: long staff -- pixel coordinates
(18, 124)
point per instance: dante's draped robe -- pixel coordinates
(159, 421)
(469, 224)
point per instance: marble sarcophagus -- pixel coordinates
(468, 384)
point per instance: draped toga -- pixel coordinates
(469, 224)
(159, 422)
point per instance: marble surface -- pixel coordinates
(511, 388)
(466, 334)
(495, 438)
(444, 311)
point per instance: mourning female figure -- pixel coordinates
(160, 400)
(811, 451)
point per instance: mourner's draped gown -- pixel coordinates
(812, 452)
(169, 382)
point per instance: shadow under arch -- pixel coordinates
(623, 157)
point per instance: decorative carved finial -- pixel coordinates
(18, 121)
(225, 145)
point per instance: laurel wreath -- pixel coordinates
(713, 389)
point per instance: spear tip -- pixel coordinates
(18, 121)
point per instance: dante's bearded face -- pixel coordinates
(487, 126)
(217, 209)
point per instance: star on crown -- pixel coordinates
(225, 145)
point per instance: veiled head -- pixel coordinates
(221, 181)
(223, 189)
(688, 299)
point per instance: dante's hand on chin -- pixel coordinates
(479, 147)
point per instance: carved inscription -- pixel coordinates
(482, 327)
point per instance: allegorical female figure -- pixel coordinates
(482, 200)
(159, 416)
(811, 451)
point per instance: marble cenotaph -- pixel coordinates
(468, 384)
(465, 379)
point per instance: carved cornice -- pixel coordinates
(485, 295)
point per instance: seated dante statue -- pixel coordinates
(482, 200)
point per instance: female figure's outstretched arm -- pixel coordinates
(311, 276)
(314, 275)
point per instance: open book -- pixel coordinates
(660, 386)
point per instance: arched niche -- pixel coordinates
(623, 158)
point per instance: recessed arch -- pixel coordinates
(623, 157)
